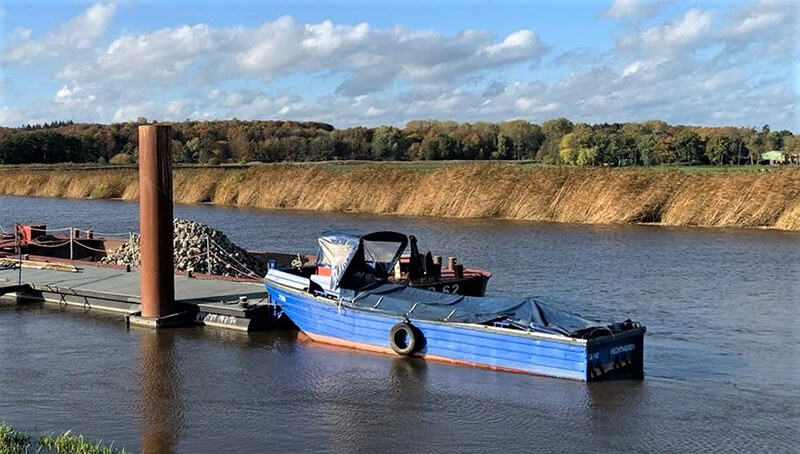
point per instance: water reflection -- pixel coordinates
(606, 397)
(408, 380)
(159, 406)
(721, 356)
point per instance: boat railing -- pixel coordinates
(288, 279)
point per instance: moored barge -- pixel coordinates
(352, 304)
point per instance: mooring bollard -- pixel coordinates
(451, 262)
(458, 270)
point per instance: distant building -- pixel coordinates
(774, 157)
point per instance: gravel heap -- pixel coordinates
(189, 251)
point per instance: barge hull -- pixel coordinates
(473, 345)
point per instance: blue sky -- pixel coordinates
(387, 62)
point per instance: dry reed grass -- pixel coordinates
(605, 196)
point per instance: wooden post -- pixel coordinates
(155, 220)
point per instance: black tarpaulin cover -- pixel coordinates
(523, 313)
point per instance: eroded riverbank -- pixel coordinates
(501, 191)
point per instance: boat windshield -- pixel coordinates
(378, 254)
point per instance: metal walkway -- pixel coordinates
(216, 302)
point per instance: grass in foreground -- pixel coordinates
(15, 441)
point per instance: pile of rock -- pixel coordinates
(191, 241)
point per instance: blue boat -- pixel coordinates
(346, 300)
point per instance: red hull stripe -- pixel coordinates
(388, 351)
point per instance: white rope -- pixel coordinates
(249, 271)
(36, 243)
(195, 256)
(249, 274)
(103, 233)
(78, 242)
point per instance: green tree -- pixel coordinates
(568, 149)
(505, 147)
(526, 138)
(242, 148)
(664, 150)
(588, 156)
(191, 150)
(389, 143)
(553, 131)
(689, 146)
(718, 149)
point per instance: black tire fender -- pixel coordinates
(403, 339)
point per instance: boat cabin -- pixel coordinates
(351, 260)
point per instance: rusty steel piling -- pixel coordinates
(155, 220)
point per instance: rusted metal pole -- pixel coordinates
(155, 220)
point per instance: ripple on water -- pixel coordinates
(721, 354)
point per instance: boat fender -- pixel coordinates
(403, 339)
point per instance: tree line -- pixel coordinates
(557, 141)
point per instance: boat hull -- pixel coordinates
(474, 345)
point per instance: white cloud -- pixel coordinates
(756, 22)
(369, 59)
(12, 116)
(134, 111)
(700, 66)
(631, 8)
(650, 68)
(520, 44)
(81, 32)
(763, 17)
(692, 27)
(67, 92)
(158, 54)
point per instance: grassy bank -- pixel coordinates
(606, 196)
(15, 441)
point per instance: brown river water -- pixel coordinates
(722, 353)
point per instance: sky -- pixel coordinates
(387, 62)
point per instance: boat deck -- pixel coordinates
(215, 301)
